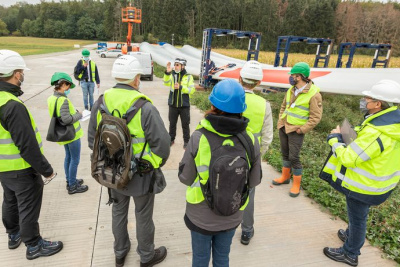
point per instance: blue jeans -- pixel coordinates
(71, 162)
(358, 214)
(219, 243)
(87, 89)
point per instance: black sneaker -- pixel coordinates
(77, 188)
(245, 238)
(14, 240)
(337, 254)
(185, 145)
(172, 143)
(79, 181)
(43, 249)
(342, 235)
(159, 255)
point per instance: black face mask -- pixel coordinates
(292, 81)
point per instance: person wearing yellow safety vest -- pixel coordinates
(149, 137)
(22, 163)
(209, 231)
(87, 74)
(366, 170)
(260, 115)
(67, 114)
(181, 87)
(301, 111)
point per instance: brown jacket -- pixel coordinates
(315, 113)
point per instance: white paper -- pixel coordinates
(85, 115)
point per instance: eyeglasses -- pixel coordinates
(48, 180)
(370, 99)
(177, 64)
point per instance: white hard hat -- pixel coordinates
(180, 61)
(252, 70)
(385, 90)
(126, 67)
(10, 61)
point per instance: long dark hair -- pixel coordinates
(219, 112)
(59, 84)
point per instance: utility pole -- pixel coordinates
(173, 39)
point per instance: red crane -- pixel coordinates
(130, 15)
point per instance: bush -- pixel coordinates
(383, 222)
(138, 38)
(16, 33)
(151, 39)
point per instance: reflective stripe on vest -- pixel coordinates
(352, 184)
(93, 70)
(51, 101)
(255, 112)
(372, 176)
(299, 112)
(121, 100)
(10, 157)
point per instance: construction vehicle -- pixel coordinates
(130, 15)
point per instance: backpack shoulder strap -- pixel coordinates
(213, 139)
(131, 112)
(246, 141)
(102, 105)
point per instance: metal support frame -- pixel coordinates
(376, 62)
(252, 53)
(323, 44)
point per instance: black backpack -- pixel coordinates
(77, 73)
(227, 187)
(113, 163)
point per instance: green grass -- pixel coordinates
(383, 222)
(158, 70)
(34, 46)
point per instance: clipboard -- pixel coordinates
(85, 115)
(347, 131)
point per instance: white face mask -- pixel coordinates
(23, 79)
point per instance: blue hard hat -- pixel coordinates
(228, 96)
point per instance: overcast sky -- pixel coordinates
(12, 2)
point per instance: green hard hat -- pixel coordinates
(85, 52)
(61, 76)
(301, 68)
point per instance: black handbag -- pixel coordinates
(58, 131)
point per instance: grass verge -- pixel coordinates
(383, 222)
(34, 46)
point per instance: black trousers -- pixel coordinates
(23, 193)
(173, 115)
(291, 144)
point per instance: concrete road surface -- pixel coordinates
(288, 231)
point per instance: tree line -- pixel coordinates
(344, 21)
